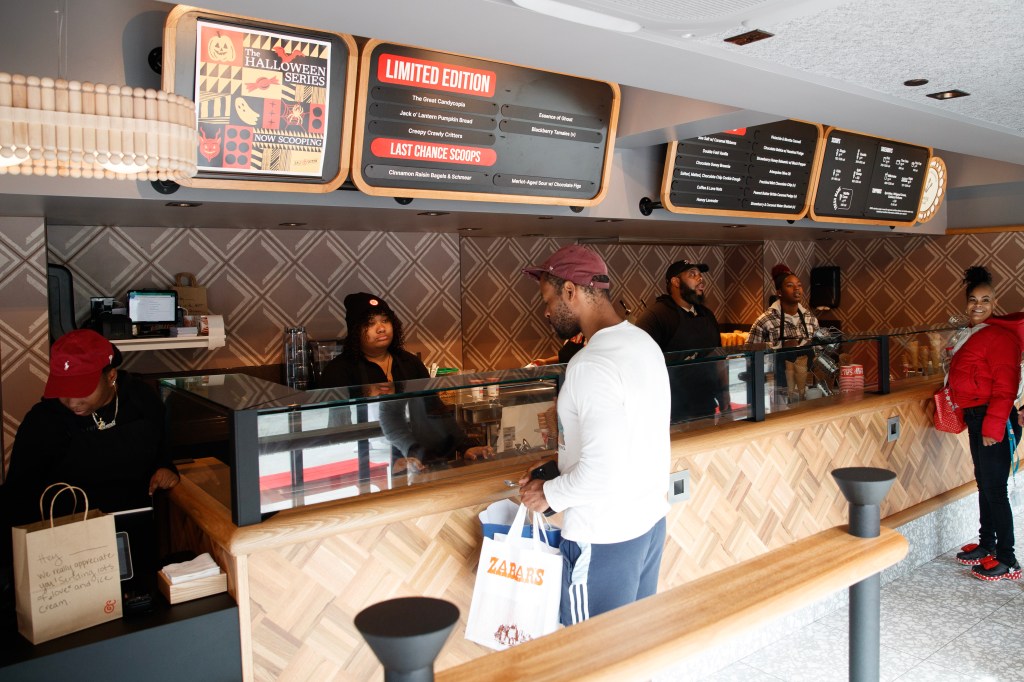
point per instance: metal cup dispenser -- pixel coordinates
(296, 358)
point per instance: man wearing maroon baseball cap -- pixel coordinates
(97, 427)
(613, 443)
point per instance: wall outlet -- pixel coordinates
(679, 486)
(892, 431)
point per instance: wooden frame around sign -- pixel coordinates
(360, 125)
(862, 221)
(180, 23)
(666, 186)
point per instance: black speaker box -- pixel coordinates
(825, 287)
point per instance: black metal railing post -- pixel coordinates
(407, 634)
(883, 364)
(755, 385)
(865, 488)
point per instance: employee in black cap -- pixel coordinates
(679, 321)
(422, 430)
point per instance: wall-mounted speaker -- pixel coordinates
(825, 291)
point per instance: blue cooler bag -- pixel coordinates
(498, 517)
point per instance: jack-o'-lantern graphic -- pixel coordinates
(220, 48)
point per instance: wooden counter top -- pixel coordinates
(483, 483)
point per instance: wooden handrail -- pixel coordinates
(641, 639)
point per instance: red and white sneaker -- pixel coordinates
(973, 554)
(991, 569)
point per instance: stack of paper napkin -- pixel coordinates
(200, 567)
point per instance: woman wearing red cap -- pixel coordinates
(96, 427)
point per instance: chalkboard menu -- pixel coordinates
(761, 171)
(439, 125)
(866, 179)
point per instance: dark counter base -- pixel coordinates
(196, 640)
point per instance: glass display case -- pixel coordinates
(278, 448)
(264, 447)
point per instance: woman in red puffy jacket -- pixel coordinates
(984, 374)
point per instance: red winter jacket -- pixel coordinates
(986, 370)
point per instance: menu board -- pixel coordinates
(274, 103)
(871, 180)
(439, 125)
(760, 171)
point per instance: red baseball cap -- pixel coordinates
(576, 264)
(77, 360)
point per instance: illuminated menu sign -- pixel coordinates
(760, 171)
(434, 124)
(866, 179)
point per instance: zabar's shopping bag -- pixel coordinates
(497, 518)
(66, 572)
(518, 588)
(191, 296)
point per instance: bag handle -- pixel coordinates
(515, 531)
(184, 279)
(67, 486)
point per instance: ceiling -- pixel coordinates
(837, 62)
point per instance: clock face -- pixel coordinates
(934, 190)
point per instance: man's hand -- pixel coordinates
(410, 464)
(163, 478)
(478, 452)
(532, 495)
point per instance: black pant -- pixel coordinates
(991, 469)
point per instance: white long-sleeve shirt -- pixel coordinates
(613, 438)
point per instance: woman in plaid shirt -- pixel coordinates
(800, 323)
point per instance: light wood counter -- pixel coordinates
(301, 576)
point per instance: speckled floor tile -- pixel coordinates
(741, 672)
(927, 671)
(821, 653)
(1011, 613)
(988, 651)
(946, 585)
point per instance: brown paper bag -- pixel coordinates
(66, 572)
(191, 297)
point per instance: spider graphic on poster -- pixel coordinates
(294, 114)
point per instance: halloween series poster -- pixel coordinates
(262, 100)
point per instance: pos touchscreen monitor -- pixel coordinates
(152, 306)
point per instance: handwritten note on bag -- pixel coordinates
(58, 576)
(67, 577)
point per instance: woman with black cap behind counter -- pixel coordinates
(97, 427)
(423, 430)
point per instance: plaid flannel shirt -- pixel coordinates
(766, 327)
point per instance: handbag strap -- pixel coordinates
(74, 491)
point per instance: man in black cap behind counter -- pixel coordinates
(677, 321)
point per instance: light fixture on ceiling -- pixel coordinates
(533, 234)
(290, 224)
(608, 220)
(469, 229)
(56, 127)
(732, 227)
(183, 204)
(948, 94)
(914, 82)
(433, 214)
(578, 15)
(545, 217)
(749, 37)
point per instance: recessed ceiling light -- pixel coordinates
(183, 204)
(948, 94)
(578, 15)
(533, 234)
(914, 82)
(433, 214)
(608, 220)
(749, 37)
(290, 224)
(824, 239)
(731, 227)
(469, 229)
(545, 217)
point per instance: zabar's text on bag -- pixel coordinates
(509, 569)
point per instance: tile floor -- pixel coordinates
(938, 624)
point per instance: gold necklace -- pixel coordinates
(102, 425)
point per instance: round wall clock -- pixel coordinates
(934, 190)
